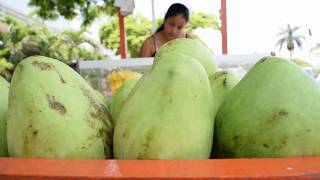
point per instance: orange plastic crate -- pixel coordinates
(270, 168)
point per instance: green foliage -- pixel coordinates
(24, 40)
(138, 28)
(85, 54)
(71, 45)
(5, 68)
(69, 9)
(109, 34)
(203, 20)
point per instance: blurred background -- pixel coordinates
(74, 31)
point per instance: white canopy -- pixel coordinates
(126, 6)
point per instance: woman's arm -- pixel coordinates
(146, 49)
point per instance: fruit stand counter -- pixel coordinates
(271, 168)
(96, 72)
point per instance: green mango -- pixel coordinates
(222, 83)
(168, 114)
(272, 112)
(4, 91)
(193, 48)
(54, 113)
(121, 96)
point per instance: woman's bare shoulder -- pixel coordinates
(147, 47)
(148, 41)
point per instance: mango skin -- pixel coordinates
(54, 113)
(168, 114)
(222, 82)
(4, 95)
(272, 112)
(121, 96)
(193, 48)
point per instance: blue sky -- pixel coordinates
(252, 24)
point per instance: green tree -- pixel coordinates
(23, 40)
(290, 37)
(69, 9)
(138, 28)
(69, 47)
(203, 20)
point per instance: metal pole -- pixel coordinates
(123, 40)
(223, 17)
(153, 17)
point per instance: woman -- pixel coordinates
(175, 20)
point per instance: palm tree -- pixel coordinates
(289, 37)
(69, 44)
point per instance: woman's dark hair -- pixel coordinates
(175, 9)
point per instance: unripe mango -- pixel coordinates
(272, 112)
(121, 96)
(54, 113)
(193, 48)
(4, 95)
(222, 83)
(168, 114)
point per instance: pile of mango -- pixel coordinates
(184, 107)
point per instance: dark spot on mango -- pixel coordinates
(48, 67)
(281, 144)
(84, 147)
(222, 73)
(43, 66)
(283, 113)
(35, 133)
(224, 82)
(263, 59)
(265, 145)
(56, 105)
(125, 134)
(170, 100)
(51, 150)
(61, 78)
(171, 73)
(308, 130)
(94, 115)
(101, 132)
(98, 113)
(236, 140)
(144, 153)
(277, 147)
(278, 115)
(26, 144)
